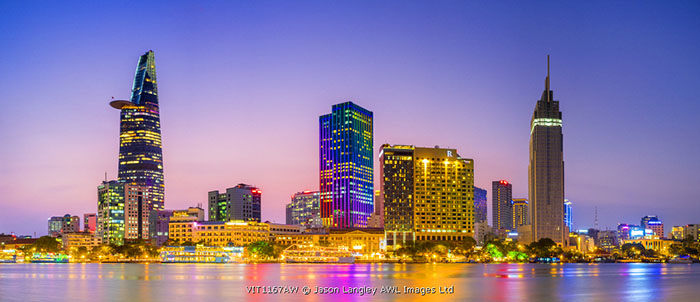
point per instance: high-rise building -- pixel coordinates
(502, 205)
(89, 222)
(623, 231)
(346, 166)
(480, 208)
(63, 224)
(140, 150)
(160, 220)
(655, 224)
(568, 215)
(376, 220)
(123, 212)
(546, 169)
(521, 212)
(428, 194)
(241, 202)
(305, 209)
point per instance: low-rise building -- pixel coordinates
(80, 239)
(219, 233)
(660, 246)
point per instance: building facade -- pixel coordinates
(655, 224)
(305, 209)
(123, 212)
(521, 212)
(546, 169)
(346, 166)
(480, 207)
(90, 222)
(502, 205)
(568, 215)
(219, 233)
(428, 194)
(242, 202)
(63, 224)
(140, 147)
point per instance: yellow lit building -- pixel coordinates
(428, 194)
(218, 233)
(657, 245)
(80, 239)
(365, 242)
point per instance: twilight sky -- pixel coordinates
(242, 85)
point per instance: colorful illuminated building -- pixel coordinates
(140, 151)
(346, 166)
(63, 224)
(123, 212)
(480, 207)
(568, 215)
(428, 194)
(90, 222)
(305, 209)
(546, 169)
(521, 212)
(655, 224)
(241, 202)
(502, 205)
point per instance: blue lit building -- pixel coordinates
(346, 142)
(140, 149)
(480, 210)
(568, 215)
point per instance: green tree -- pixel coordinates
(47, 244)
(260, 250)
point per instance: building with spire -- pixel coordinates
(139, 189)
(546, 169)
(140, 149)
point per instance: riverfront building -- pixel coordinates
(346, 164)
(63, 224)
(502, 205)
(123, 212)
(140, 148)
(241, 202)
(546, 169)
(304, 209)
(428, 194)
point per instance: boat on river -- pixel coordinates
(201, 254)
(299, 253)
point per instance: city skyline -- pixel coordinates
(610, 104)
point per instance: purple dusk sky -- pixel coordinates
(242, 85)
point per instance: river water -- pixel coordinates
(349, 282)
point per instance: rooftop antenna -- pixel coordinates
(105, 176)
(595, 225)
(546, 82)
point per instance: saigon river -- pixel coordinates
(349, 282)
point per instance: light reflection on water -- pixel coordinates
(480, 282)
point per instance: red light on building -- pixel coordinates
(503, 182)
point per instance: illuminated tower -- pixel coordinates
(346, 166)
(140, 150)
(568, 215)
(521, 212)
(241, 202)
(428, 194)
(502, 205)
(546, 169)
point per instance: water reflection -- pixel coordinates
(212, 282)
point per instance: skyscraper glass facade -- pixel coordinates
(546, 169)
(502, 205)
(305, 209)
(480, 205)
(140, 148)
(346, 166)
(568, 215)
